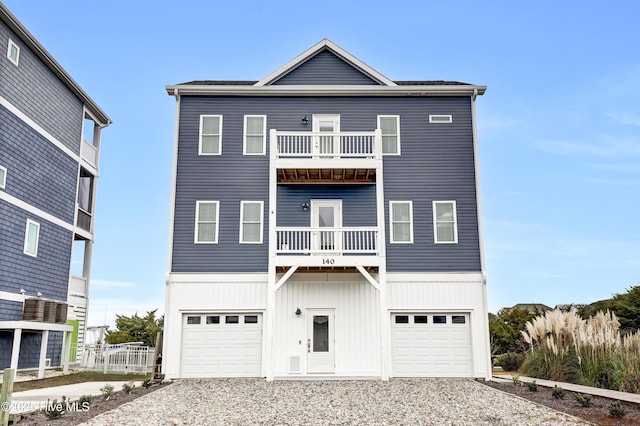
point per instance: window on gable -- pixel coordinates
(31, 237)
(255, 129)
(210, 135)
(389, 126)
(13, 52)
(440, 118)
(3, 177)
(251, 214)
(445, 225)
(401, 214)
(207, 213)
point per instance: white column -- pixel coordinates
(269, 323)
(15, 351)
(66, 349)
(43, 353)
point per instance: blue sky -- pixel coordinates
(559, 126)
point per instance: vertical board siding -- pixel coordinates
(38, 172)
(356, 328)
(325, 68)
(47, 273)
(37, 92)
(436, 163)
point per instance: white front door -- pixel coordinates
(326, 214)
(320, 341)
(326, 144)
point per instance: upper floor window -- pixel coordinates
(251, 214)
(255, 129)
(440, 118)
(401, 213)
(445, 226)
(207, 214)
(210, 135)
(3, 177)
(389, 125)
(13, 52)
(31, 237)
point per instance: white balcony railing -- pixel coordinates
(78, 285)
(89, 153)
(326, 144)
(306, 241)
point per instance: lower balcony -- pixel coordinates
(327, 247)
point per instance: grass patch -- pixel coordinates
(80, 377)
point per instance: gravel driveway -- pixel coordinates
(397, 402)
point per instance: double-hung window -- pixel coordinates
(255, 129)
(401, 213)
(251, 214)
(13, 52)
(3, 177)
(31, 238)
(389, 126)
(207, 215)
(210, 135)
(445, 226)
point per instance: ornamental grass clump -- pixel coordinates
(565, 347)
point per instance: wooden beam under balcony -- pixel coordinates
(324, 176)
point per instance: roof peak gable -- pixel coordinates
(321, 46)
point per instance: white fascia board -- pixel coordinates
(33, 325)
(325, 90)
(428, 277)
(314, 50)
(182, 277)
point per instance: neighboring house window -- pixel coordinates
(13, 52)
(389, 125)
(401, 213)
(255, 129)
(207, 214)
(210, 135)
(251, 214)
(31, 237)
(439, 118)
(3, 177)
(445, 225)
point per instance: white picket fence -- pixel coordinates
(117, 358)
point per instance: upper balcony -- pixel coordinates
(326, 157)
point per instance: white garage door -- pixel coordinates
(221, 345)
(431, 345)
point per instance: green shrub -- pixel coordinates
(616, 409)
(557, 392)
(107, 391)
(583, 399)
(516, 379)
(532, 386)
(510, 361)
(147, 383)
(128, 387)
(85, 401)
(55, 409)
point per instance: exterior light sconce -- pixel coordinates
(298, 311)
(305, 206)
(305, 120)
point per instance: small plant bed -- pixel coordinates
(80, 377)
(596, 409)
(87, 406)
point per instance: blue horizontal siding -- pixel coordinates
(38, 172)
(37, 92)
(437, 163)
(47, 273)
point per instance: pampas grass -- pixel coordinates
(565, 347)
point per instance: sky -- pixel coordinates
(558, 128)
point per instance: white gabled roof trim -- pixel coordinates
(314, 50)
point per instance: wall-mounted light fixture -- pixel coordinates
(305, 206)
(305, 120)
(298, 311)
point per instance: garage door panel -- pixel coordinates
(221, 347)
(431, 345)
